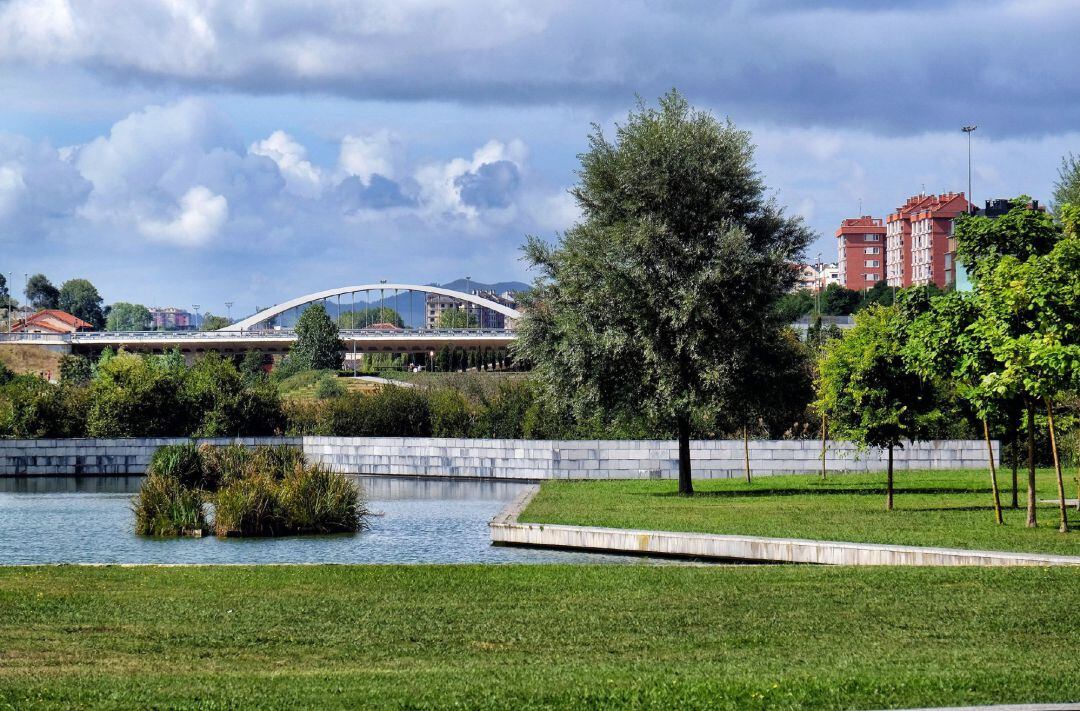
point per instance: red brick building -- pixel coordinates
(919, 248)
(861, 250)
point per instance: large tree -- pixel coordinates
(41, 294)
(210, 322)
(362, 318)
(656, 301)
(127, 317)
(317, 346)
(81, 298)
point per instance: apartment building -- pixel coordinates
(861, 249)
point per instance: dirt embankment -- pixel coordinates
(31, 359)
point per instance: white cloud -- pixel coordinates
(301, 177)
(200, 217)
(365, 156)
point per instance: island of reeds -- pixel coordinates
(260, 491)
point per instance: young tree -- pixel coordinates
(317, 344)
(80, 298)
(1031, 319)
(41, 294)
(945, 343)
(867, 391)
(654, 303)
(127, 317)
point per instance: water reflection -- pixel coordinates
(89, 520)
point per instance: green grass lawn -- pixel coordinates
(941, 508)
(739, 637)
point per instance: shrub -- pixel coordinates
(224, 465)
(451, 414)
(134, 396)
(249, 507)
(316, 500)
(75, 370)
(181, 462)
(329, 387)
(277, 461)
(165, 507)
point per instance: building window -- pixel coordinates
(872, 263)
(872, 250)
(873, 238)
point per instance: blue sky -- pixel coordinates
(183, 152)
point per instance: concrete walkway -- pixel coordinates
(507, 530)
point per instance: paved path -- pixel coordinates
(507, 530)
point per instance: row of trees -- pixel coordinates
(1009, 347)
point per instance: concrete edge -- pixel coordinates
(507, 530)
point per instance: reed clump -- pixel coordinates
(261, 491)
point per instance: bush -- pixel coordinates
(249, 507)
(451, 414)
(329, 387)
(223, 465)
(181, 462)
(165, 507)
(316, 500)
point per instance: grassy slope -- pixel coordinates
(31, 359)
(302, 386)
(951, 509)
(533, 636)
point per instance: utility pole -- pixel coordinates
(820, 284)
(969, 130)
(228, 310)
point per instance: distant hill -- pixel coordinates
(497, 287)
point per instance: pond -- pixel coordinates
(89, 520)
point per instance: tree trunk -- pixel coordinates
(824, 439)
(889, 484)
(746, 451)
(1064, 525)
(1014, 418)
(1031, 519)
(686, 483)
(993, 474)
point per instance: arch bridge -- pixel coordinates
(416, 330)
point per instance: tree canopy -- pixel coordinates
(655, 303)
(1067, 186)
(362, 318)
(317, 345)
(210, 322)
(456, 318)
(127, 317)
(1020, 232)
(80, 298)
(41, 294)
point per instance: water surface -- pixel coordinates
(89, 520)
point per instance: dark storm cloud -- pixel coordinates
(885, 66)
(381, 193)
(490, 185)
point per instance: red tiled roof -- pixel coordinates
(39, 319)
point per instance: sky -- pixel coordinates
(178, 151)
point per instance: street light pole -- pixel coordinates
(196, 307)
(969, 130)
(228, 310)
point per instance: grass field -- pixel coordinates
(302, 386)
(737, 637)
(942, 508)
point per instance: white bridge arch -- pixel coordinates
(258, 320)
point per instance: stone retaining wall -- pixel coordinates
(504, 459)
